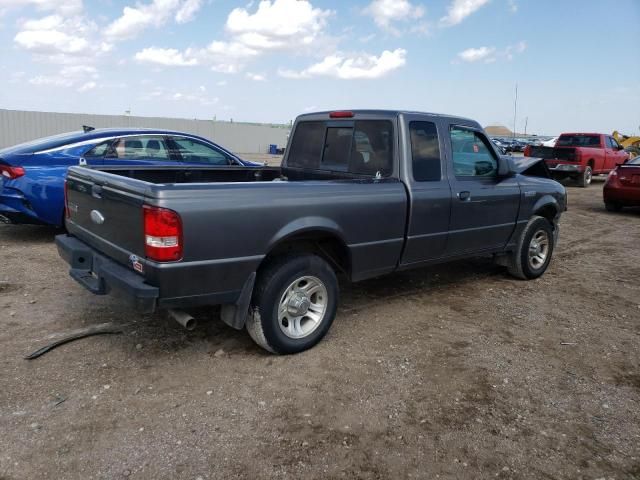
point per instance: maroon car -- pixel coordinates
(622, 188)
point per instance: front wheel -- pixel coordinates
(294, 304)
(584, 180)
(534, 250)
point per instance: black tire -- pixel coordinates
(584, 180)
(612, 206)
(521, 265)
(264, 324)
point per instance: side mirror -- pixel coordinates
(620, 147)
(504, 167)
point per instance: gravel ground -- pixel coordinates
(456, 372)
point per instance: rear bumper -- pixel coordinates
(14, 208)
(624, 195)
(565, 168)
(101, 275)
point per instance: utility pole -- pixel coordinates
(526, 121)
(515, 111)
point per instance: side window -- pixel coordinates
(193, 151)
(614, 143)
(307, 145)
(425, 152)
(99, 150)
(472, 156)
(372, 148)
(140, 148)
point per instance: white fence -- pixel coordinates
(17, 126)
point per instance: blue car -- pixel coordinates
(32, 174)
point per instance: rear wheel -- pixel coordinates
(584, 180)
(612, 206)
(534, 250)
(294, 304)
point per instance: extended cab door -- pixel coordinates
(484, 206)
(429, 192)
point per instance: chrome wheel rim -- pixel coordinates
(588, 175)
(538, 249)
(302, 307)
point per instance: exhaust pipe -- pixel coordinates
(184, 319)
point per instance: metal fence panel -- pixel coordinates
(18, 126)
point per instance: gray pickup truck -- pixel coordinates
(359, 194)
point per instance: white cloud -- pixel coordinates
(513, 6)
(362, 66)
(491, 54)
(198, 95)
(458, 10)
(188, 10)
(66, 7)
(277, 24)
(80, 76)
(58, 39)
(169, 57)
(87, 86)
(155, 14)
(385, 12)
(221, 83)
(256, 77)
(476, 54)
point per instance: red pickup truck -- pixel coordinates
(580, 156)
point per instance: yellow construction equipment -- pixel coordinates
(630, 143)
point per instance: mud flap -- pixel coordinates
(235, 314)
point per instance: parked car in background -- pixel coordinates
(579, 156)
(32, 174)
(268, 243)
(550, 143)
(501, 147)
(622, 188)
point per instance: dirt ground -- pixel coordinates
(452, 372)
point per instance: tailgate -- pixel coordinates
(105, 210)
(567, 154)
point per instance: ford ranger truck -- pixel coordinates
(359, 194)
(579, 156)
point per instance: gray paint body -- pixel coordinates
(230, 226)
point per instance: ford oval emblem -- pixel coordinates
(97, 217)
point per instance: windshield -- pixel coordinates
(590, 141)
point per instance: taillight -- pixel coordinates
(162, 234)
(67, 213)
(11, 172)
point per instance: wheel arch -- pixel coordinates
(547, 207)
(314, 235)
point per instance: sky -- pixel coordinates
(576, 63)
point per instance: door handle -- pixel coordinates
(464, 196)
(96, 191)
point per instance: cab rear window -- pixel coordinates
(591, 141)
(363, 147)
